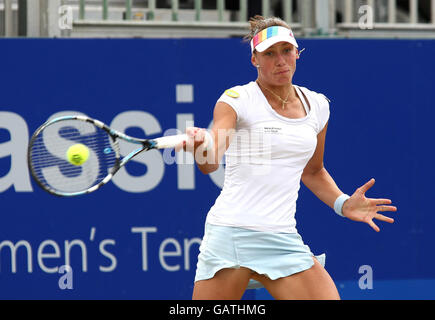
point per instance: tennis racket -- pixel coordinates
(48, 147)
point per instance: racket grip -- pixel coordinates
(172, 141)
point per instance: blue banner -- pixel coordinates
(138, 237)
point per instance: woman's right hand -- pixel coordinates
(196, 137)
(224, 122)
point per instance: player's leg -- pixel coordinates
(227, 284)
(311, 284)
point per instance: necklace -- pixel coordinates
(277, 96)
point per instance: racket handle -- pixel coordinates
(172, 141)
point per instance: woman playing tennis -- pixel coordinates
(273, 137)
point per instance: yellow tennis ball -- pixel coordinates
(77, 154)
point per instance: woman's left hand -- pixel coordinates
(360, 208)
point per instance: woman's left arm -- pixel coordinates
(357, 207)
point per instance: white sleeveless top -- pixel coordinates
(265, 160)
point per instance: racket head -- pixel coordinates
(47, 155)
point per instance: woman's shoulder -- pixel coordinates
(242, 91)
(320, 97)
(321, 106)
(238, 97)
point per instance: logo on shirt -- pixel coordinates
(272, 130)
(232, 93)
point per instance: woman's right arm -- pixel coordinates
(224, 124)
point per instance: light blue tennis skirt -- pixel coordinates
(275, 255)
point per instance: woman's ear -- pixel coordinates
(254, 61)
(298, 53)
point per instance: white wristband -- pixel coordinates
(338, 204)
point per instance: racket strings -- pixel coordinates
(48, 156)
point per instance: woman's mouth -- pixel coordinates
(282, 72)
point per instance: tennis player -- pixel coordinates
(274, 136)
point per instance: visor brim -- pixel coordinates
(271, 41)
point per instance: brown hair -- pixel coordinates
(258, 23)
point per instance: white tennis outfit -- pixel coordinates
(252, 222)
(265, 161)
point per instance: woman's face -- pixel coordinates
(277, 64)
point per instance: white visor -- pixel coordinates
(269, 36)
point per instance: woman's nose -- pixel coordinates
(280, 60)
